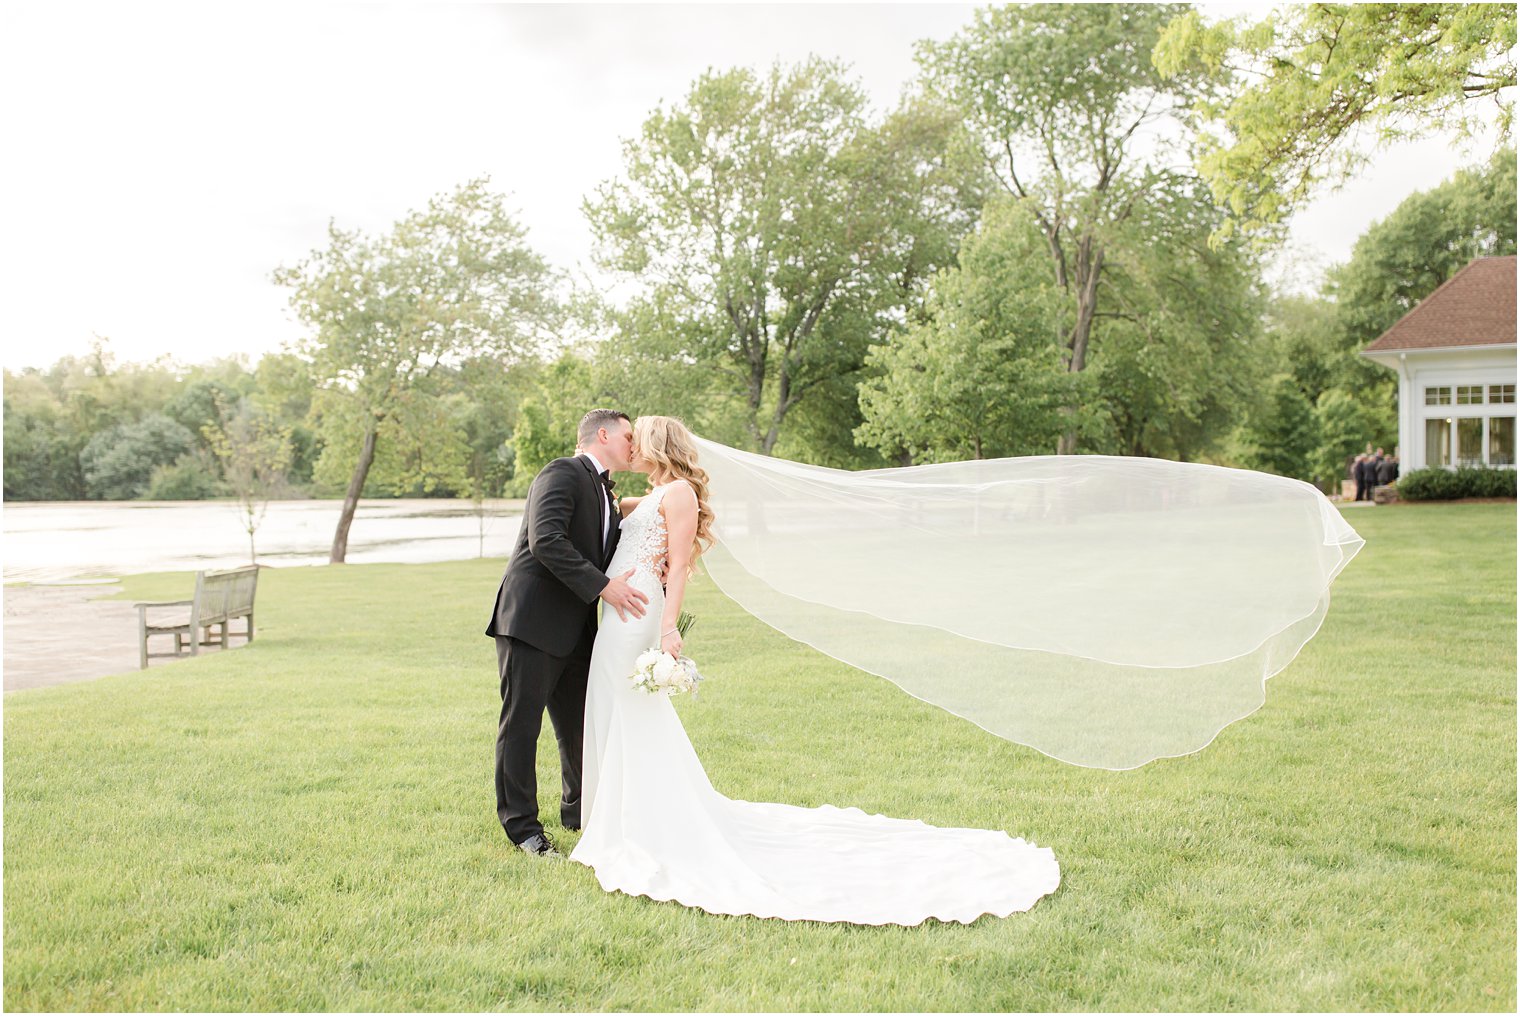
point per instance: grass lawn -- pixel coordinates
(309, 823)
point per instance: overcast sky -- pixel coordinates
(161, 160)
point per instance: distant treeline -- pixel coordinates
(995, 267)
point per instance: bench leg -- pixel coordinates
(142, 638)
(225, 625)
(250, 626)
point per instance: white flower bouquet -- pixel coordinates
(659, 673)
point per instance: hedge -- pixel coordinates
(1448, 485)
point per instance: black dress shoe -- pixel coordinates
(538, 844)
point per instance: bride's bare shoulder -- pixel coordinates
(681, 498)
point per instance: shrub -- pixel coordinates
(1448, 485)
(191, 478)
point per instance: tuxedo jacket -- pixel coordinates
(548, 595)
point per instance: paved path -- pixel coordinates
(60, 634)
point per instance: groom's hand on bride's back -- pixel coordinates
(624, 597)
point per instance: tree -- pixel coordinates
(119, 461)
(1282, 433)
(1063, 97)
(778, 231)
(1396, 263)
(41, 448)
(1176, 341)
(283, 387)
(982, 377)
(1427, 239)
(198, 404)
(389, 314)
(1300, 85)
(1344, 426)
(254, 450)
(484, 410)
(550, 413)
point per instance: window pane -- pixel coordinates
(1501, 441)
(1438, 396)
(1437, 442)
(1501, 393)
(1470, 441)
(1469, 395)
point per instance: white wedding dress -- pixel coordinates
(654, 826)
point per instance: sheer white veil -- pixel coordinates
(1104, 610)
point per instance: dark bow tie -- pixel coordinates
(607, 481)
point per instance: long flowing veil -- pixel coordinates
(1104, 610)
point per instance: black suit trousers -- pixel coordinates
(532, 680)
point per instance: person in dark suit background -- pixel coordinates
(1388, 470)
(1359, 473)
(1374, 464)
(544, 620)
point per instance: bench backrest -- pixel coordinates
(224, 594)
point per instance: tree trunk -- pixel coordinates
(351, 499)
(1081, 332)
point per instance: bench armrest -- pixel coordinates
(166, 603)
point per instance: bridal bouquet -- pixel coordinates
(659, 673)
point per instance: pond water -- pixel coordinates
(62, 541)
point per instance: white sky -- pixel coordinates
(161, 160)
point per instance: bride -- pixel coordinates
(654, 826)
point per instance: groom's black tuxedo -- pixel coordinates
(548, 595)
(544, 623)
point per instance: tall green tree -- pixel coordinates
(390, 314)
(1344, 426)
(1431, 235)
(1399, 260)
(1283, 435)
(283, 387)
(778, 230)
(550, 413)
(1297, 86)
(982, 376)
(1176, 341)
(1075, 121)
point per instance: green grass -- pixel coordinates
(308, 823)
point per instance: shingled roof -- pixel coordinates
(1475, 307)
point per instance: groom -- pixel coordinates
(544, 621)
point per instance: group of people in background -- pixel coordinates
(1373, 469)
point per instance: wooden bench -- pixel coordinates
(220, 597)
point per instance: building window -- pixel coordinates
(1438, 442)
(1501, 393)
(1470, 441)
(1438, 396)
(1469, 395)
(1501, 440)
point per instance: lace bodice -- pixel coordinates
(643, 543)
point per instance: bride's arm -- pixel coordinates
(627, 505)
(680, 508)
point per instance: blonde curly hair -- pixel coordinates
(669, 447)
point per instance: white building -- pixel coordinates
(1454, 353)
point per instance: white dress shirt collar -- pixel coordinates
(595, 462)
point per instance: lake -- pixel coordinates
(61, 541)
